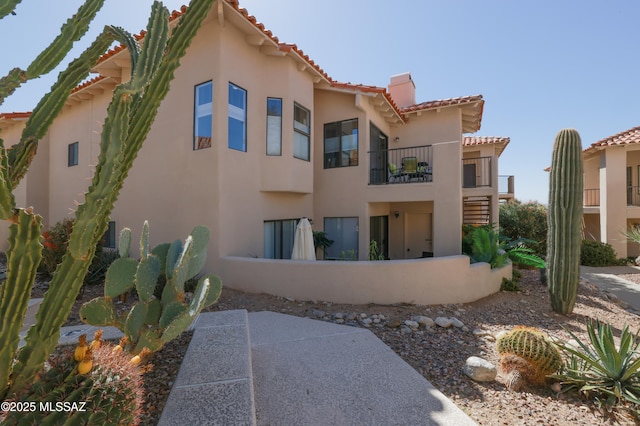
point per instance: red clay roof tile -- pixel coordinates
(622, 138)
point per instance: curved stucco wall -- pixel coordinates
(442, 280)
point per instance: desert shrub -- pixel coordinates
(55, 242)
(525, 220)
(596, 253)
(510, 285)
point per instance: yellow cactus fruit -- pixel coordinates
(81, 349)
(97, 340)
(143, 353)
(120, 346)
(85, 365)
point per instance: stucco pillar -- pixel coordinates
(447, 203)
(613, 199)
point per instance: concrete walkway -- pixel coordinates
(608, 279)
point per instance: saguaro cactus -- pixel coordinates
(129, 118)
(565, 220)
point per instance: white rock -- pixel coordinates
(339, 315)
(480, 369)
(481, 333)
(366, 321)
(443, 322)
(501, 333)
(456, 322)
(423, 320)
(381, 317)
(376, 320)
(363, 315)
(411, 324)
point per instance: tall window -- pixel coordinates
(202, 120)
(344, 233)
(237, 118)
(341, 144)
(278, 238)
(72, 154)
(301, 132)
(274, 126)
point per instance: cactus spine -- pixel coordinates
(129, 118)
(154, 321)
(565, 220)
(527, 355)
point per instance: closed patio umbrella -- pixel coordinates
(303, 248)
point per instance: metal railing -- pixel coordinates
(592, 196)
(476, 172)
(401, 165)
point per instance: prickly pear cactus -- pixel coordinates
(153, 321)
(105, 386)
(527, 356)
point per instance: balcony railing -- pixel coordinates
(592, 196)
(400, 165)
(506, 185)
(476, 172)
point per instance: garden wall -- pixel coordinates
(431, 281)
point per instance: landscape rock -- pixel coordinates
(456, 322)
(443, 322)
(394, 323)
(480, 369)
(423, 320)
(318, 313)
(411, 324)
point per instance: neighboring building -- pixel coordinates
(612, 190)
(253, 135)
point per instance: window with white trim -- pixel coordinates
(274, 126)
(301, 132)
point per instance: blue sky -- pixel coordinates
(541, 66)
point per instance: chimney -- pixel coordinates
(402, 90)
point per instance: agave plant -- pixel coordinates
(600, 369)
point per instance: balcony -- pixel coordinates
(506, 187)
(592, 197)
(476, 172)
(400, 165)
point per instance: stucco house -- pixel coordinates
(254, 135)
(612, 190)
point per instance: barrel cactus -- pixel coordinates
(527, 356)
(153, 321)
(104, 388)
(565, 221)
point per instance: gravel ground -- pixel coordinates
(435, 352)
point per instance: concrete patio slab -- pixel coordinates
(215, 382)
(608, 279)
(337, 375)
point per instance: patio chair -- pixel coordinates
(410, 167)
(425, 171)
(394, 173)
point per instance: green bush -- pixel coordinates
(510, 285)
(528, 221)
(595, 253)
(100, 264)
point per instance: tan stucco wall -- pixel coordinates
(443, 280)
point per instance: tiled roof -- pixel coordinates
(88, 83)
(441, 103)
(622, 138)
(14, 115)
(500, 141)
(484, 140)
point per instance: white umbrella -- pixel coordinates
(303, 248)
